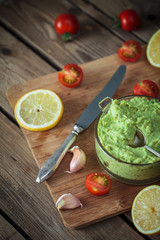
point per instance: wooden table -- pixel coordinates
(30, 48)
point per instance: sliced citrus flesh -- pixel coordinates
(39, 110)
(153, 49)
(146, 210)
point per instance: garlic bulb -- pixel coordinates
(79, 159)
(68, 201)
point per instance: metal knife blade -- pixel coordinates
(84, 121)
(93, 110)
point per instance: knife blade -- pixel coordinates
(84, 121)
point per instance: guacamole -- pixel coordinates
(118, 126)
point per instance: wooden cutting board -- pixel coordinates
(43, 144)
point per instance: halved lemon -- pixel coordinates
(39, 110)
(153, 49)
(146, 210)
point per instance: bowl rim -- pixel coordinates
(101, 146)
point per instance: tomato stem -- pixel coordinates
(117, 22)
(66, 37)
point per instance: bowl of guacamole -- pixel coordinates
(116, 127)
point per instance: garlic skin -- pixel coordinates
(79, 159)
(68, 201)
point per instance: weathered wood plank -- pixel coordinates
(30, 205)
(145, 9)
(34, 23)
(8, 232)
(17, 64)
(100, 13)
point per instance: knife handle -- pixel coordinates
(53, 162)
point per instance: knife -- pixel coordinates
(85, 120)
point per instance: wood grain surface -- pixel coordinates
(30, 48)
(30, 204)
(8, 231)
(44, 144)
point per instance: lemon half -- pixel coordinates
(39, 110)
(153, 49)
(146, 210)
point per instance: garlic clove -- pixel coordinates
(79, 159)
(68, 201)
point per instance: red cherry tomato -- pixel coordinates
(147, 88)
(130, 51)
(66, 24)
(129, 19)
(71, 75)
(98, 183)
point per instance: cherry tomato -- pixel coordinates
(130, 51)
(147, 88)
(71, 75)
(98, 183)
(66, 24)
(129, 19)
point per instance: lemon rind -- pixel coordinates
(148, 49)
(149, 232)
(43, 127)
